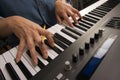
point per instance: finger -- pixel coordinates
(31, 46)
(77, 12)
(37, 38)
(48, 35)
(20, 50)
(59, 19)
(43, 50)
(73, 15)
(50, 40)
(66, 18)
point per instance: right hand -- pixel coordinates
(29, 34)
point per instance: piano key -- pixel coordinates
(97, 10)
(110, 4)
(93, 17)
(71, 34)
(59, 47)
(25, 71)
(61, 44)
(99, 13)
(96, 14)
(23, 60)
(86, 22)
(103, 9)
(81, 31)
(12, 72)
(80, 27)
(66, 37)
(89, 19)
(73, 30)
(61, 38)
(10, 59)
(91, 7)
(49, 59)
(57, 50)
(40, 64)
(29, 60)
(54, 30)
(84, 25)
(50, 51)
(1, 75)
(57, 29)
(3, 69)
(45, 62)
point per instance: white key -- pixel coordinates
(59, 47)
(81, 31)
(29, 60)
(52, 31)
(57, 28)
(36, 68)
(45, 62)
(10, 59)
(28, 66)
(52, 52)
(3, 69)
(51, 55)
(88, 21)
(91, 7)
(66, 36)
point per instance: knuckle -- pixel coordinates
(30, 46)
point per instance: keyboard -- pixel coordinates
(72, 51)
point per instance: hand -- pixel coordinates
(29, 34)
(63, 10)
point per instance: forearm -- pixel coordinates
(4, 28)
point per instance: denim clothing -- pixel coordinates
(39, 11)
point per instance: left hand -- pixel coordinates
(63, 10)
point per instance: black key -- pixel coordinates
(54, 48)
(59, 43)
(1, 75)
(25, 71)
(86, 26)
(70, 33)
(80, 27)
(99, 12)
(12, 72)
(93, 18)
(39, 51)
(103, 9)
(74, 30)
(88, 19)
(40, 64)
(61, 38)
(86, 22)
(96, 14)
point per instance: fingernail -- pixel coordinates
(17, 60)
(52, 44)
(45, 56)
(35, 62)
